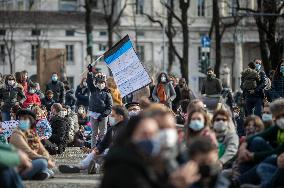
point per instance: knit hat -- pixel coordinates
(277, 107)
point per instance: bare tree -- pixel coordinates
(267, 16)
(112, 14)
(89, 27)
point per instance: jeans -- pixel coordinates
(254, 103)
(99, 129)
(10, 178)
(38, 166)
(248, 170)
(88, 159)
(6, 116)
(267, 169)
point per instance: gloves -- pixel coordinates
(90, 68)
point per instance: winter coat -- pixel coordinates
(31, 99)
(211, 86)
(47, 103)
(73, 126)
(125, 166)
(100, 100)
(143, 92)
(82, 121)
(60, 131)
(19, 140)
(259, 90)
(10, 95)
(40, 94)
(249, 79)
(9, 156)
(170, 92)
(58, 91)
(116, 97)
(43, 129)
(70, 99)
(231, 144)
(79, 139)
(82, 94)
(111, 136)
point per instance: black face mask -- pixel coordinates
(208, 170)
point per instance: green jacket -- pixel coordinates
(8, 156)
(270, 135)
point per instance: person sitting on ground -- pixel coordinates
(48, 100)
(252, 126)
(31, 97)
(59, 125)
(79, 138)
(70, 99)
(43, 126)
(117, 121)
(267, 116)
(26, 139)
(82, 116)
(38, 91)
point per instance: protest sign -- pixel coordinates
(128, 72)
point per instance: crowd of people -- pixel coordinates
(162, 135)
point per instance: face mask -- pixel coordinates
(24, 125)
(54, 78)
(85, 84)
(11, 82)
(81, 111)
(133, 113)
(266, 117)
(220, 126)
(168, 138)
(101, 86)
(257, 66)
(196, 125)
(282, 69)
(112, 121)
(280, 123)
(163, 79)
(236, 114)
(62, 114)
(150, 147)
(32, 91)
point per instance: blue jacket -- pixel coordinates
(82, 94)
(100, 100)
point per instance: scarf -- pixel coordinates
(161, 92)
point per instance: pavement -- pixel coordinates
(71, 156)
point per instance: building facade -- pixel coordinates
(60, 24)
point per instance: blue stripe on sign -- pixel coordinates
(119, 52)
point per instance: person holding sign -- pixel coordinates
(100, 104)
(164, 91)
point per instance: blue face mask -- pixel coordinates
(266, 117)
(257, 67)
(150, 147)
(282, 69)
(24, 125)
(54, 78)
(196, 125)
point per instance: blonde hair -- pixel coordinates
(111, 83)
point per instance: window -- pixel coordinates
(141, 52)
(201, 8)
(139, 6)
(35, 32)
(69, 53)
(70, 79)
(68, 5)
(2, 54)
(103, 33)
(2, 32)
(33, 53)
(204, 60)
(102, 47)
(69, 33)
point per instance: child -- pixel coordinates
(31, 97)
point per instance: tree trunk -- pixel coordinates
(218, 38)
(170, 38)
(184, 63)
(89, 28)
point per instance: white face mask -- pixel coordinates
(63, 113)
(168, 138)
(32, 91)
(85, 84)
(220, 126)
(163, 79)
(280, 123)
(81, 111)
(112, 121)
(11, 82)
(101, 86)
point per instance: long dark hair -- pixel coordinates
(277, 73)
(166, 75)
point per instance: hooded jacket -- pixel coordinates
(31, 99)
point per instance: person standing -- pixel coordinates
(82, 94)
(57, 88)
(278, 82)
(164, 91)
(100, 105)
(211, 85)
(10, 95)
(114, 91)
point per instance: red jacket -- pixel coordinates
(31, 99)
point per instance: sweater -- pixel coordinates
(211, 87)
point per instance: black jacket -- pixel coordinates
(111, 136)
(10, 95)
(126, 167)
(58, 90)
(100, 100)
(82, 94)
(47, 103)
(70, 99)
